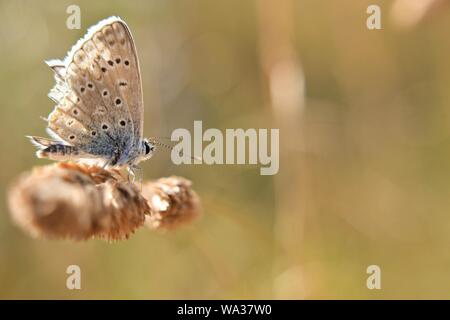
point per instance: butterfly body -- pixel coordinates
(99, 110)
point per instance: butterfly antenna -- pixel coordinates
(160, 144)
(161, 138)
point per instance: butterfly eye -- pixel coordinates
(148, 148)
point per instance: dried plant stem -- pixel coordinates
(79, 202)
(285, 81)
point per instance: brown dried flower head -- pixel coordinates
(74, 201)
(172, 203)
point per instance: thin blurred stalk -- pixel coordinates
(215, 261)
(406, 14)
(284, 79)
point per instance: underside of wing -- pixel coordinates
(98, 92)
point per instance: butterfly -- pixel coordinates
(99, 112)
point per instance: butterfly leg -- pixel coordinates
(107, 163)
(131, 174)
(134, 173)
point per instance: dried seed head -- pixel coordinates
(172, 203)
(77, 202)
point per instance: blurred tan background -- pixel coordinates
(364, 120)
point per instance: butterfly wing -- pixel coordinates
(99, 94)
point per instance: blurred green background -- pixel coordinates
(364, 120)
